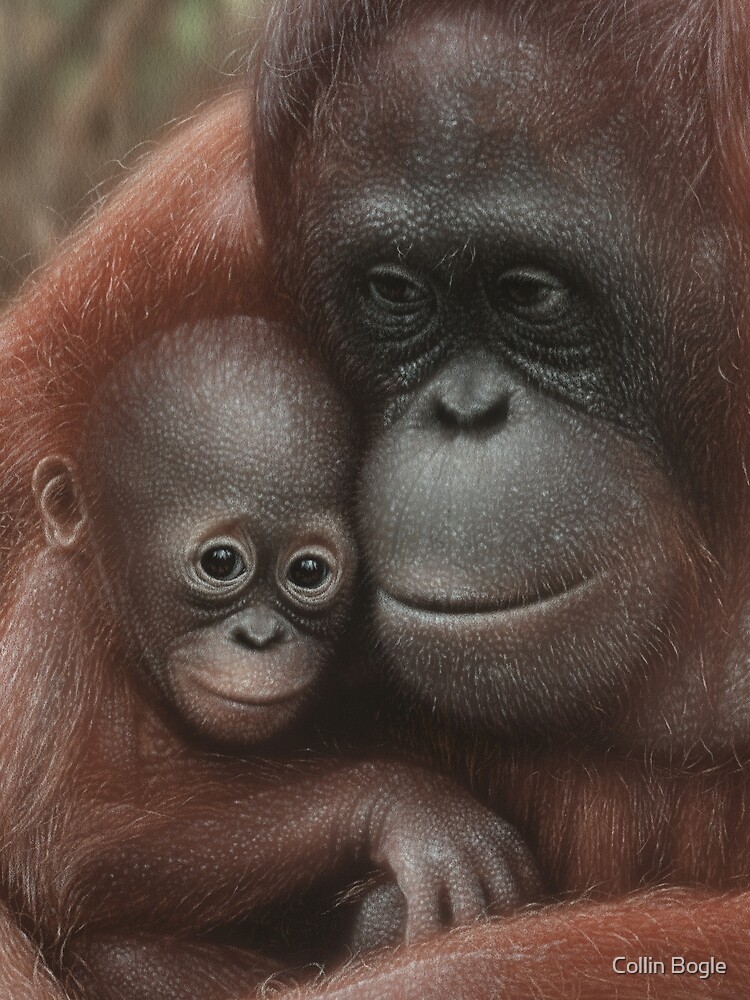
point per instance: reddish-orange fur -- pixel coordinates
(567, 951)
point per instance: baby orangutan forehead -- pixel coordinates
(222, 410)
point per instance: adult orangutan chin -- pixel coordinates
(520, 232)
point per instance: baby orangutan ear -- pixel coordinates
(59, 501)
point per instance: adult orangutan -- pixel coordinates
(520, 230)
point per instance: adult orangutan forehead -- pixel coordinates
(446, 107)
(478, 66)
(301, 54)
(671, 59)
(469, 72)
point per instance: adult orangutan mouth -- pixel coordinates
(468, 607)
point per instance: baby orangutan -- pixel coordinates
(205, 526)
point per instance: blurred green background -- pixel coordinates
(83, 85)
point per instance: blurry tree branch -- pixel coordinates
(83, 82)
(37, 76)
(105, 78)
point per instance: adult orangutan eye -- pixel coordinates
(395, 290)
(222, 563)
(531, 294)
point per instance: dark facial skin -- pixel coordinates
(531, 544)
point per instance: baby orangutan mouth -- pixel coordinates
(236, 690)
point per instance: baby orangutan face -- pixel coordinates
(213, 492)
(236, 615)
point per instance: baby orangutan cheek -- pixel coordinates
(232, 694)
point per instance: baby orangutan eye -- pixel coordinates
(311, 576)
(223, 563)
(308, 572)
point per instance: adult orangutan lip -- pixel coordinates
(468, 608)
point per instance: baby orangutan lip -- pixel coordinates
(235, 697)
(468, 605)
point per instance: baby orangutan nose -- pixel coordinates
(259, 628)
